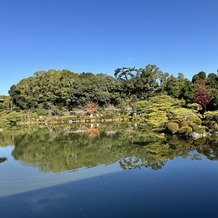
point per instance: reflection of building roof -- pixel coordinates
(2, 100)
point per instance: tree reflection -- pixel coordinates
(59, 149)
(2, 159)
(92, 131)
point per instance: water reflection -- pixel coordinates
(2, 159)
(57, 149)
(93, 130)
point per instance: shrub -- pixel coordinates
(173, 127)
(182, 114)
(215, 126)
(195, 127)
(196, 120)
(185, 123)
(12, 118)
(201, 129)
(173, 140)
(185, 130)
(211, 115)
(91, 108)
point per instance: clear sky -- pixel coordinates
(99, 36)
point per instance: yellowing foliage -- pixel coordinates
(173, 127)
(156, 109)
(166, 112)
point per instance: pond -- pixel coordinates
(106, 171)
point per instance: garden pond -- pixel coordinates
(102, 171)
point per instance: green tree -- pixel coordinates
(126, 76)
(156, 110)
(199, 78)
(146, 81)
(141, 83)
(64, 89)
(175, 86)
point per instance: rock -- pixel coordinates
(70, 121)
(195, 135)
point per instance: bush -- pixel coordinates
(201, 129)
(215, 126)
(185, 123)
(195, 127)
(12, 118)
(185, 130)
(173, 140)
(211, 115)
(173, 127)
(196, 120)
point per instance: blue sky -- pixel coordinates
(99, 36)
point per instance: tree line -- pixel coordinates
(38, 148)
(65, 90)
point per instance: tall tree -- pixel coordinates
(175, 86)
(141, 83)
(147, 81)
(199, 78)
(126, 76)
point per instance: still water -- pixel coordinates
(106, 171)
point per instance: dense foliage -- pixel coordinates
(161, 97)
(60, 149)
(63, 89)
(166, 113)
